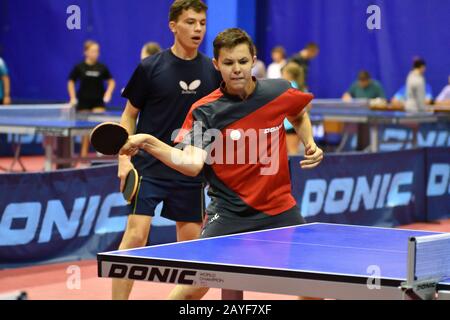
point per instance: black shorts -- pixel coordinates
(182, 201)
(218, 224)
(89, 104)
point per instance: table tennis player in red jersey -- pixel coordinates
(236, 136)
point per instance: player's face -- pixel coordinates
(277, 56)
(364, 83)
(313, 53)
(423, 69)
(93, 52)
(236, 65)
(190, 28)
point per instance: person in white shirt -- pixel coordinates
(415, 87)
(444, 96)
(259, 69)
(279, 61)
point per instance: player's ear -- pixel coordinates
(216, 64)
(254, 60)
(172, 25)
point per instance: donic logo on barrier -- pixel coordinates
(26, 222)
(351, 194)
(400, 139)
(439, 180)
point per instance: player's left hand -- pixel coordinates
(107, 98)
(313, 156)
(133, 145)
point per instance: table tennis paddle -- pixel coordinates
(131, 185)
(108, 138)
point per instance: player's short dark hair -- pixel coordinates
(178, 6)
(231, 38)
(418, 63)
(363, 75)
(312, 46)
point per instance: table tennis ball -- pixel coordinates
(235, 135)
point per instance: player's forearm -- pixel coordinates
(303, 127)
(71, 90)
(128, 121)
(111, 87)
(181, 160)
(7, 87)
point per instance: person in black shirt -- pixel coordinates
(160, 92)
(304, 57)
(91, 95)
(91, 74)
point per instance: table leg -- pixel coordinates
(64, 150)
(48, 146)
(374, 143)
(232, 294)
(16, 148)
(364, 138)
(415, 133)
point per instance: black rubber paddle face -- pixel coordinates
(108, 138)
(131, 183)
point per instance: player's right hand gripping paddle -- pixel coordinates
(131, 185)
(108, 138)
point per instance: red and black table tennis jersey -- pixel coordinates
(247, 187)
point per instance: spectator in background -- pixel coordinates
(279, 61)
(399, 98)
(91, 95)
(5, 86)
(364, 87)
(444, 96)
(259, 69)
(149, 49)
(415, 87)
(304, 57)
(293, 73)
(91, 74)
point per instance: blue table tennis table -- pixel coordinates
(314, 260)
(58, 124)
(360, 113)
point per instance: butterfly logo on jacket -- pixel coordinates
(190, 89)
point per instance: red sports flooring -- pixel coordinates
(54, 281)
